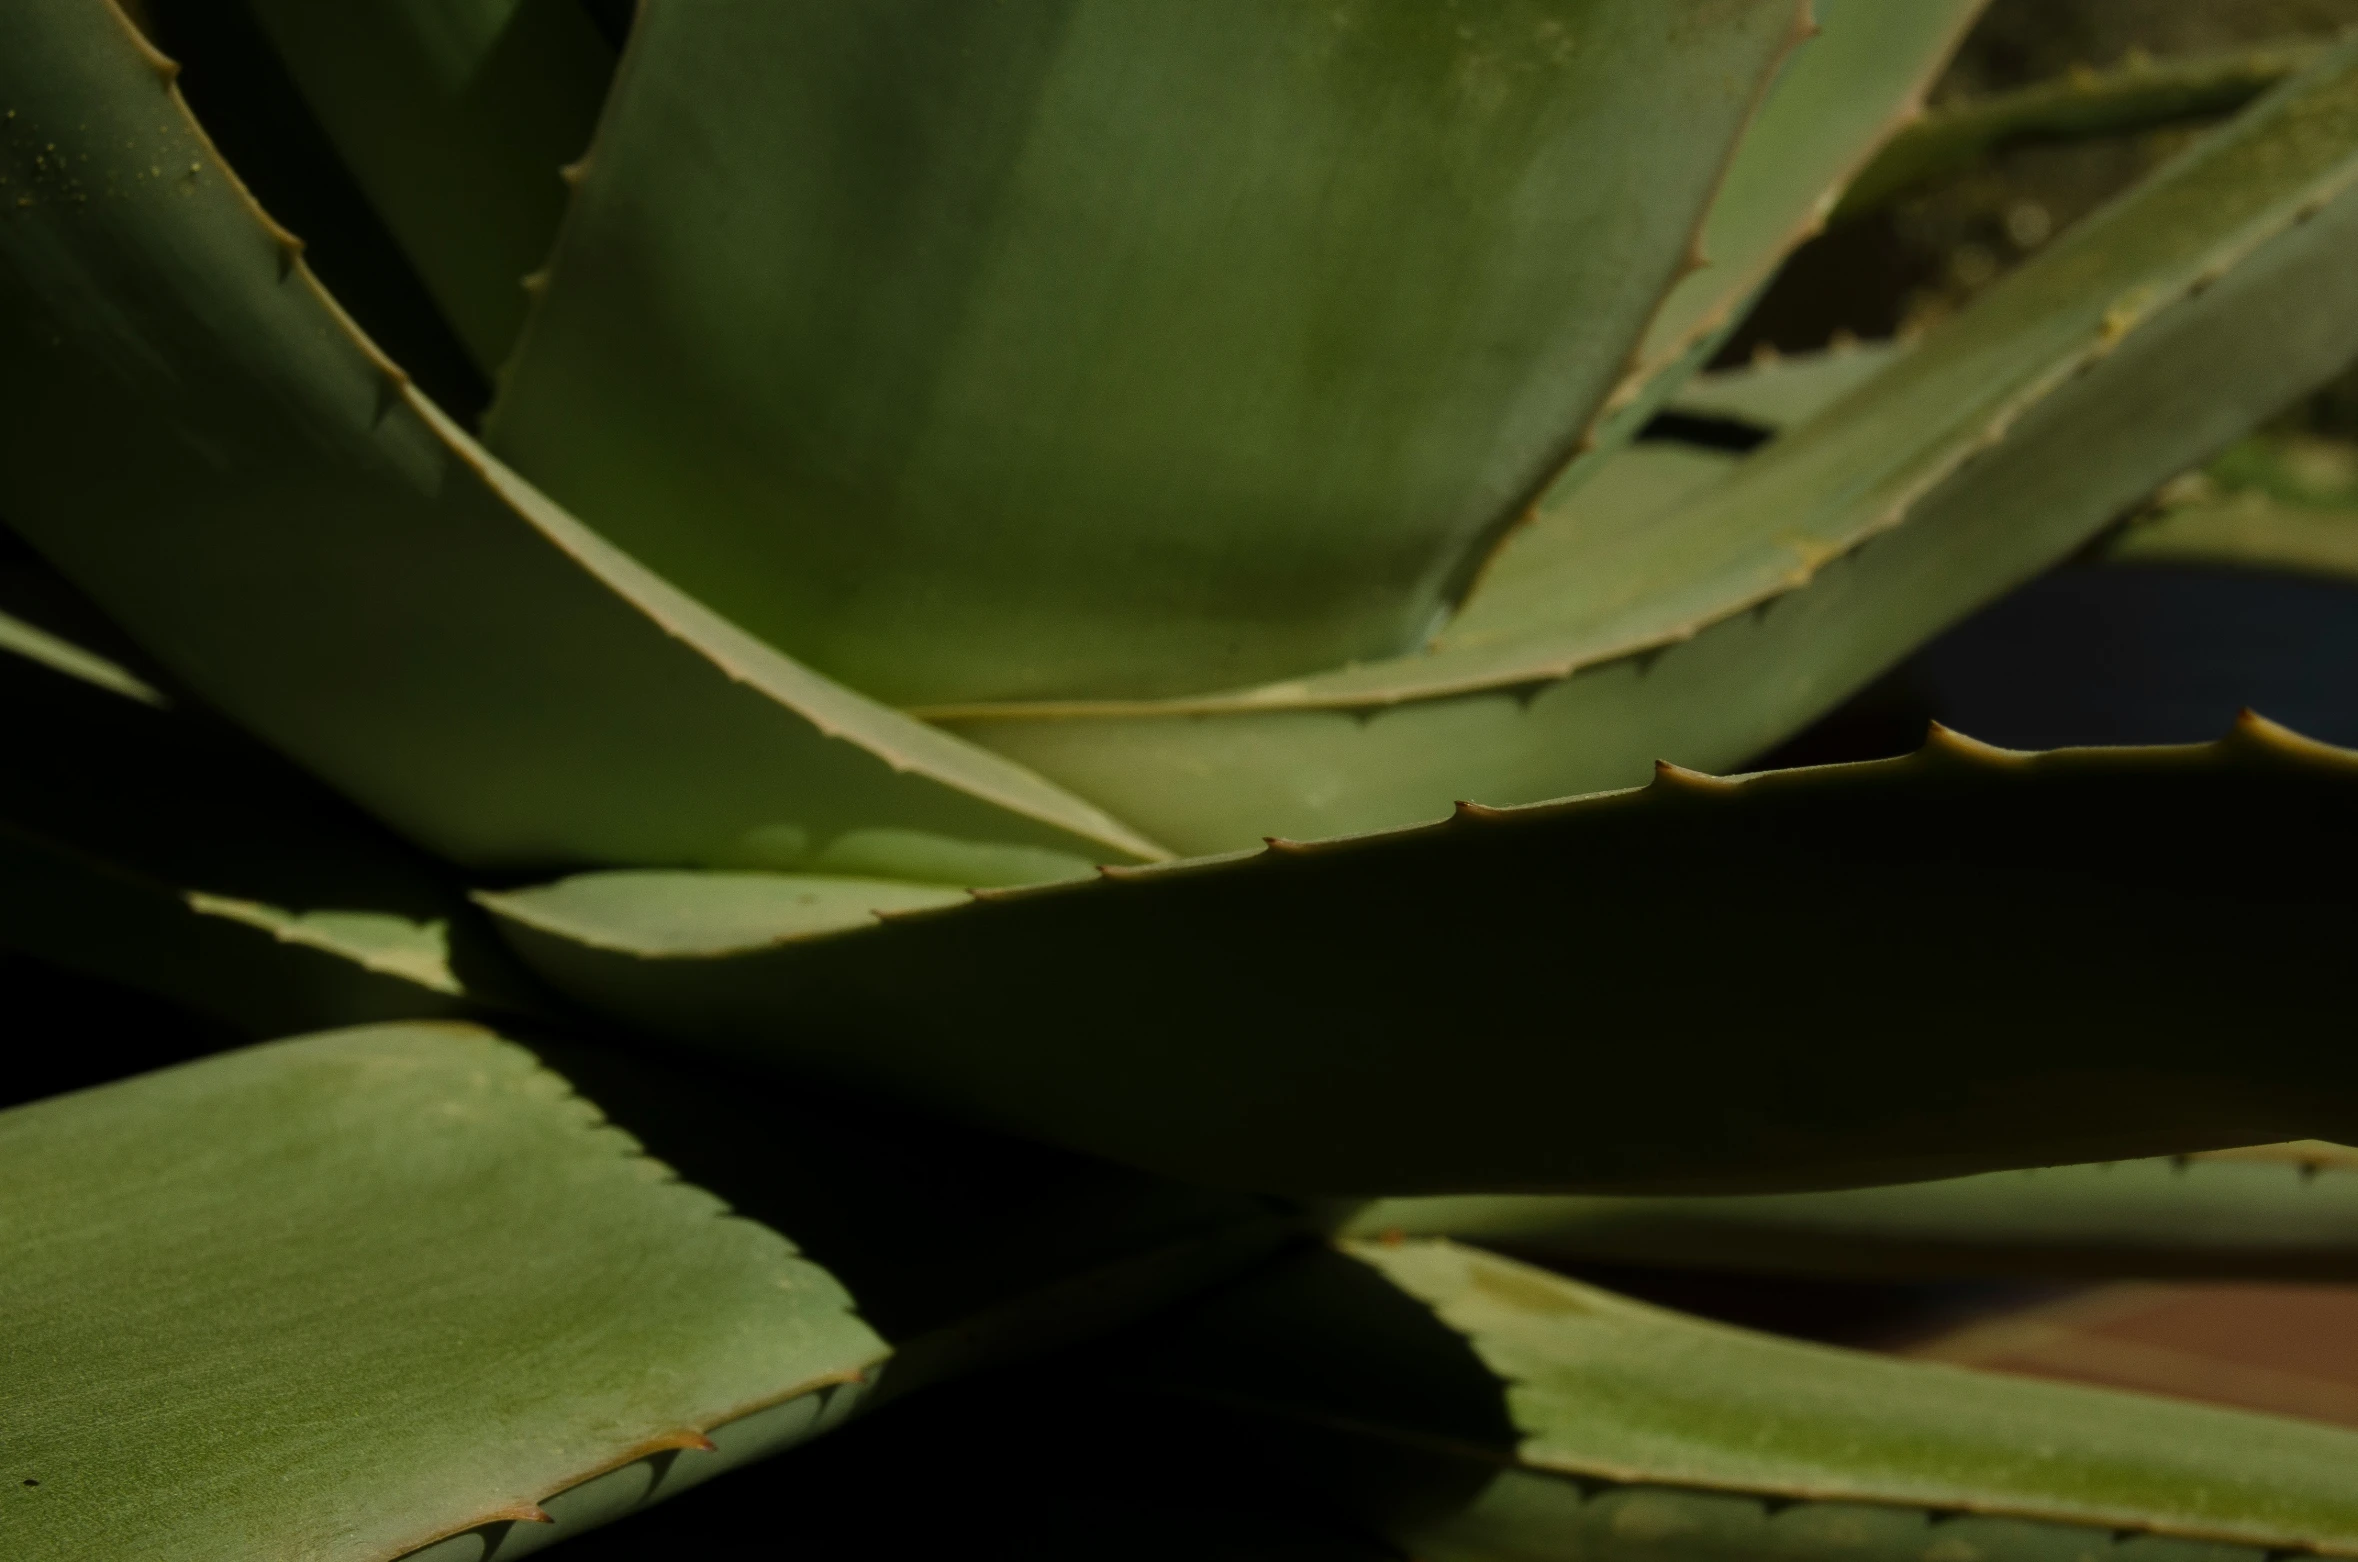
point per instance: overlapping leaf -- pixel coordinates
(1692, 986)
(150, 845)
(322, 555)
(1470, 1406)
(2152, 334)
(1057, 348)
(2287, 1209)
(455, 119)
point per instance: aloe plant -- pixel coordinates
(1038, 719)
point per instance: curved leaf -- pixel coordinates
(1861, 76)
(428, 1291)
(151, 846)
(455, 119)
(2282, 503)
(320, 553)
(2140, 93)
(1471, 1406)
(350, 1294)
(2283, 1210)
(1064, 347)
(2147, 336)
(1694, 986)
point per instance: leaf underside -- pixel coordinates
(551, 701)
(1506, 1000)
(2139, 342)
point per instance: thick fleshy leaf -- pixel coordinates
(2283, 503)
(1472, 1406)
(344, 1296)
(1510, 999)
(2287, 1209)
(1861, 76)
(455, 119)
(2140, 93)
(1782, 391)
(321, 554)
(428, 1292)
(149, 844)
(2148, 336)
(1065, 347)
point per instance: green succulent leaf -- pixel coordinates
(2148, 336)
(365, 1290)
(1065, 348)
(148, 844)
(427, 1290)
(2288, 1209)
(2139, 94)
(1862, 75)
(1781, 391)
(2283, 503)
(1471, 1406)
(320, 553)
(1509, 999)
(455, 119)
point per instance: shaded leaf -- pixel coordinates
(412, 1256)
(2276, 1210)
(2144, 338)
(149, 844)
(1472, 1406)
(455, 119)
(1693, 986)
(318, 551)
(1065, 348)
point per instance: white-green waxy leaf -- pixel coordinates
(1470, 1406)
(320, 553)
(346, 1296)
(2147, 337)
(1508, 1000)
(454, 116)
(1069, 347)
(2277, 1209)
(1861, 75)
